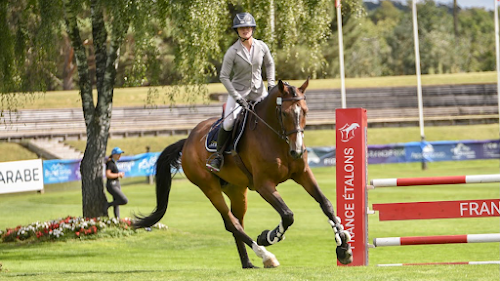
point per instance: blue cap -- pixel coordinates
(117, 150)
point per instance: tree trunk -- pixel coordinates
(97, 118)
(92, 169)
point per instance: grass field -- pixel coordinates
(196, 246)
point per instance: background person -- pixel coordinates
(113, 176)
(241, 74)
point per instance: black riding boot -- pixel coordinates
(216, 162)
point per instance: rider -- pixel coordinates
(244, 60)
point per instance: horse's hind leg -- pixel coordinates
(238, 197)
(214, 193)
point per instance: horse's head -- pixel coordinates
(292, 110)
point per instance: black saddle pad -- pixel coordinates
(211, 141)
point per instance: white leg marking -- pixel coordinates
(268, 258)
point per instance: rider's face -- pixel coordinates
(245, 32)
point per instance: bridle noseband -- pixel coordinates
(279, 104)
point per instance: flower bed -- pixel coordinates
(70, 227)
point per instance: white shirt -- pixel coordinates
(248, 53)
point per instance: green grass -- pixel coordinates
(10, 151)
(196, 246)
(139, 95)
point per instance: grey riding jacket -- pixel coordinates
(246, 80)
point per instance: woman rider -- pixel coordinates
(244, 60)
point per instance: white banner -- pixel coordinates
(21, 176)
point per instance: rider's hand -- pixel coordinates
(242, 102)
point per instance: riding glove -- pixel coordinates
(242, 102)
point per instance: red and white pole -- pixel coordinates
(442, 263)
(431, 240)
(435, 180)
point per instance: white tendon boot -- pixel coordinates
(337, 229)
(268, 258)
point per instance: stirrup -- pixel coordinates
(213, 158)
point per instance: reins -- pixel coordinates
(279, 103)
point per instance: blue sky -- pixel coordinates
(487, 4)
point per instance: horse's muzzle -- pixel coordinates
(296, 154)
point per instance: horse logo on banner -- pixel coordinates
(348, 131)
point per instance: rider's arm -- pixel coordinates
(269, 64)
(225, 73)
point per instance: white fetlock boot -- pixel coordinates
(268, 258)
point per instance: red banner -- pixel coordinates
(438, 209)
(351, 166)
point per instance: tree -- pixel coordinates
(200, 31)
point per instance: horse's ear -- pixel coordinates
(281, 86)
(304, 86)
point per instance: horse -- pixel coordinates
(270, 151)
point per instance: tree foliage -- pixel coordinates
(131, 43)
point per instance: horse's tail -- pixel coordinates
(168, 160)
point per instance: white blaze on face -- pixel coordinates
(300, 135)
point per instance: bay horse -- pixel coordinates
(270, 151)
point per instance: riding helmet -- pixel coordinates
(243, 20)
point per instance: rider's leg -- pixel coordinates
(230, 113)
(222, 139)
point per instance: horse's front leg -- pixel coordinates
(342, 237)
(271, 195)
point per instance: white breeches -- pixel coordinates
(230, 113)
(233, 109)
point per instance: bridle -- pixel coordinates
(283, 134)
(279, 104)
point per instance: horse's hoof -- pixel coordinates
(344, 254)
(249, 266)
(271, 263)
(262, 239)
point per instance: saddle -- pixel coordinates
(237, 133)
(231, 148)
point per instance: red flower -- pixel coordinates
(77, 234)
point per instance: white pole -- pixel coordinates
(498, 55)
(341, 53)
(417, 69)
